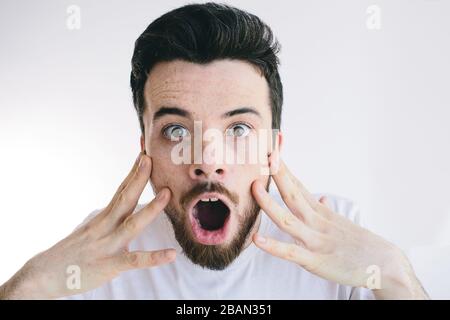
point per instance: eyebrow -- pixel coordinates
(171, 110)
(184, 113)
(241, 111)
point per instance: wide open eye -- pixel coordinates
(175, 132)
(239, 130)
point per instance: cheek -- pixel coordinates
(251, 153)
(243, 177)
(161, 166)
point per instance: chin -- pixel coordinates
(212, 226)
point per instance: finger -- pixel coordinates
(144, 259)
(135, 223)
(291, 193)
(316, 205)
(125, 181)
(129, 197)
(323, 200)
(284, 219)
(325, 208)
(287, 251)
(308, 196)
(274, 160)
(101, 221)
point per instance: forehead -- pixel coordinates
(212, 87)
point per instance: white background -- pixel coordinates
(366, 113)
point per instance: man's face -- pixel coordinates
(212, 210)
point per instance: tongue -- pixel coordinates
(211, 215)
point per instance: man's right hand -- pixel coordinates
(98, 250)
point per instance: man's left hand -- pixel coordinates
(331, 246)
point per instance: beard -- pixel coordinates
(214, 257)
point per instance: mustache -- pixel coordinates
(203, 187)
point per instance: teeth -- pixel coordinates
(209, 199)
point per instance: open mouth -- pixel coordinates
(209, 219)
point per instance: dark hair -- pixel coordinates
(201, 33)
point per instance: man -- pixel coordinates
(214, 68)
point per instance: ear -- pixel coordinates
(279, 141)
(143, 144)
(274, 156)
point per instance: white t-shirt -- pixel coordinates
(254, 274)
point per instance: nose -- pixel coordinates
(209, 158)
(203, 172)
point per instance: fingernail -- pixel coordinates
(274, 163)
(260, 239)
(259, 188)
(162, 194)
(138, 158)
(142, 163)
